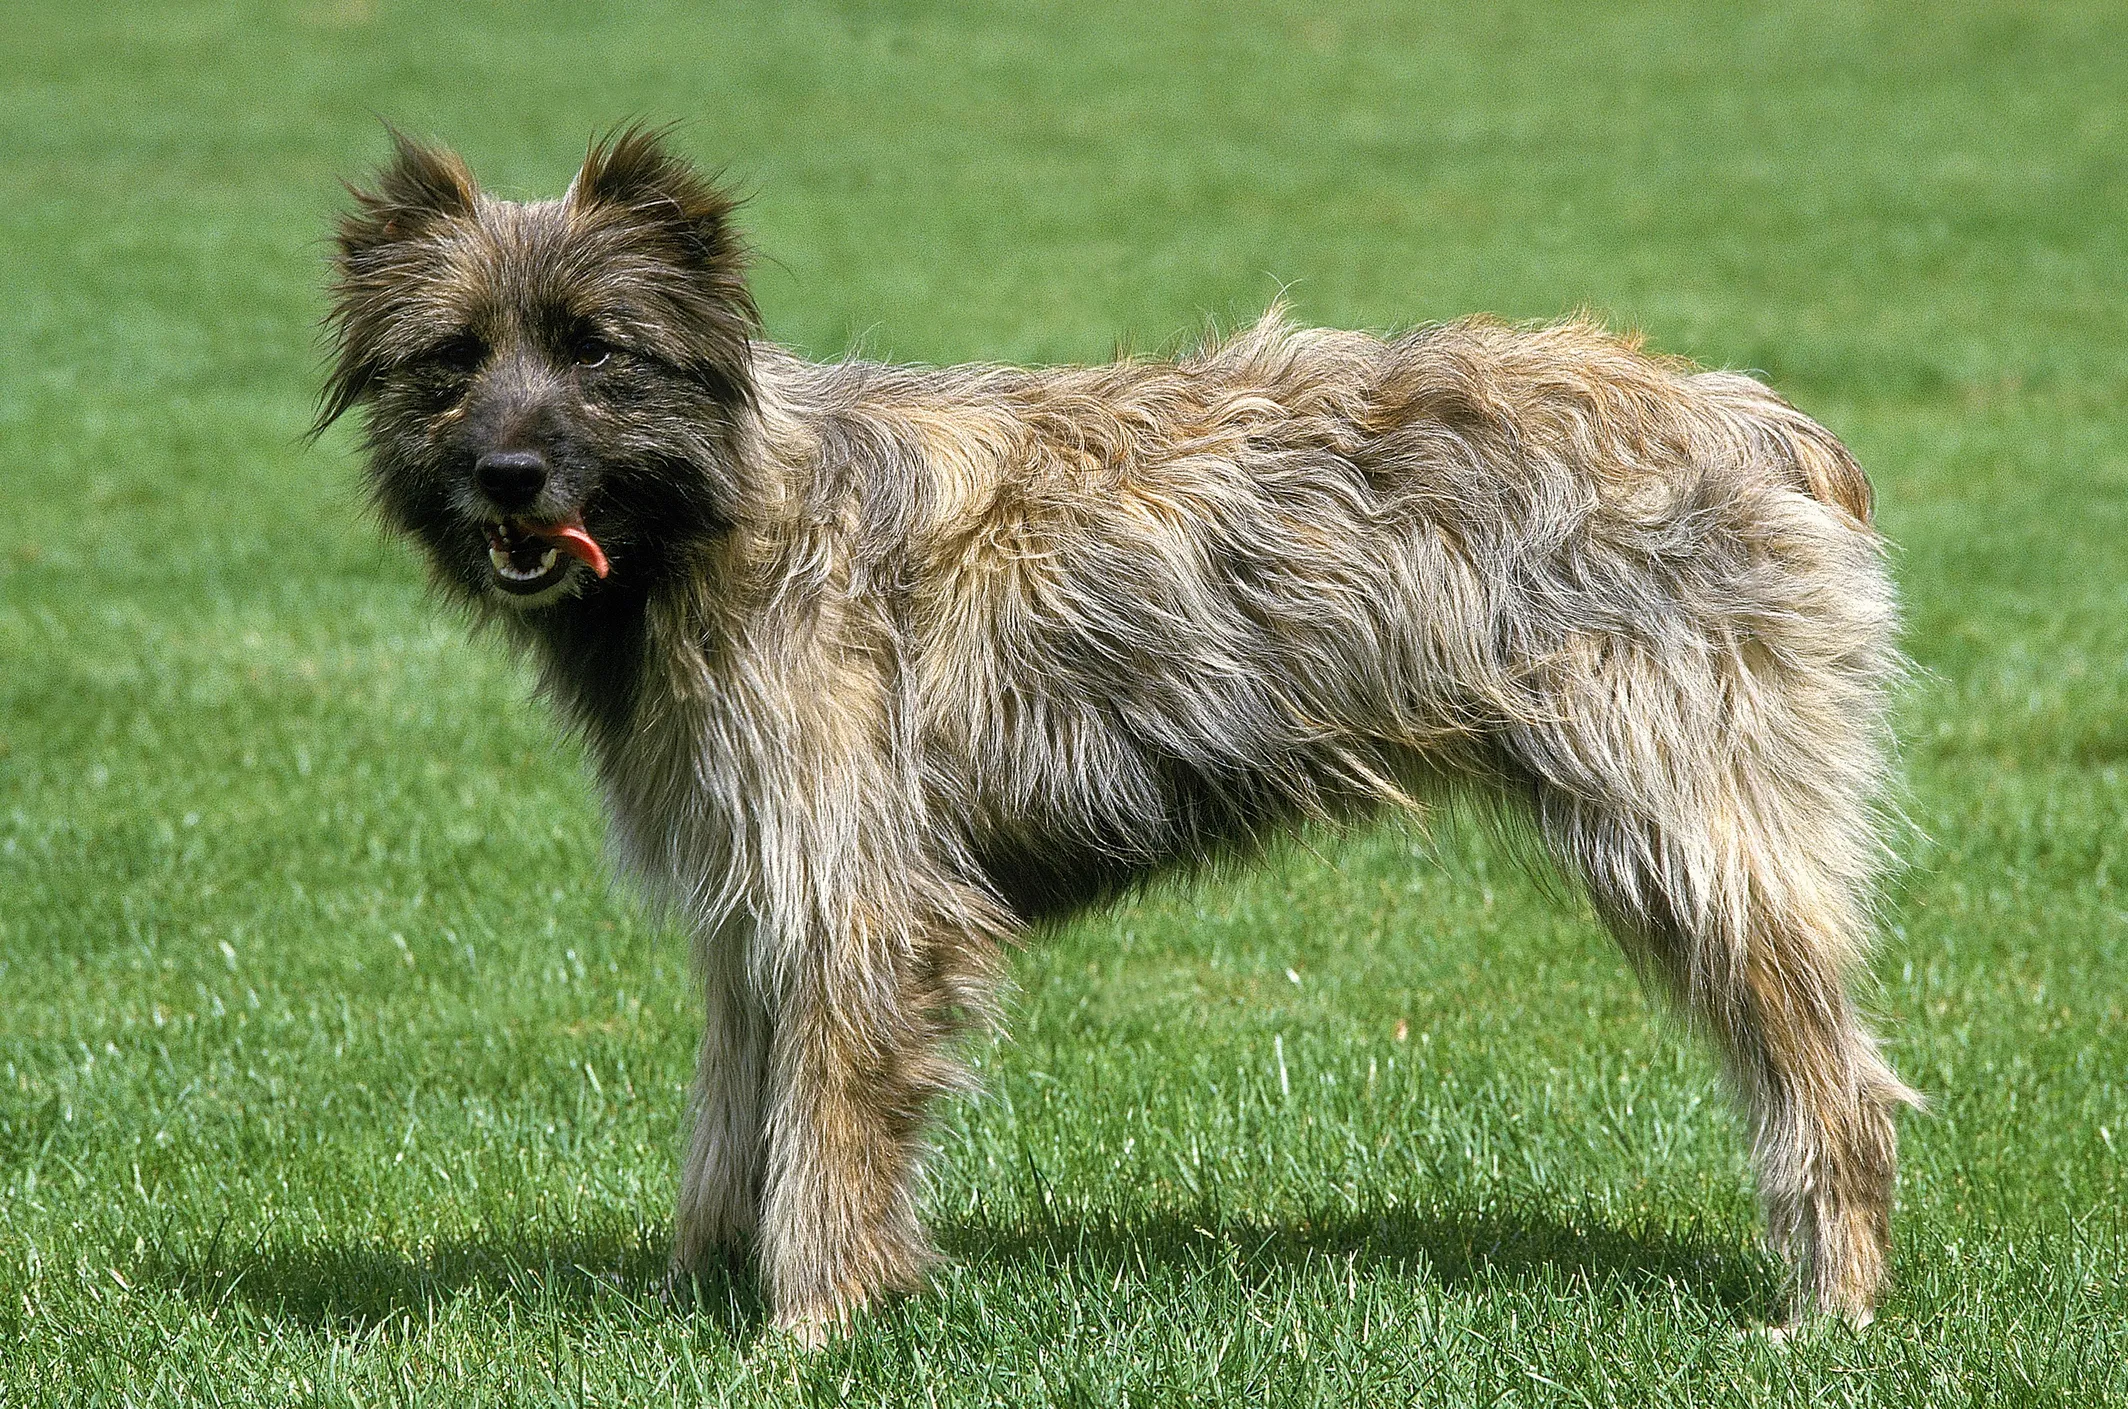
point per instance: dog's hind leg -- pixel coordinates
(1720, 806)
(1758, 951)
(720, 1178)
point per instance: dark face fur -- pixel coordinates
(549, 388)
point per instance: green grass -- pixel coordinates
(333, 1069)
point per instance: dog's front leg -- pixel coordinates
(720, 1180)
(853, 1065)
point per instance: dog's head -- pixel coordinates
(549, 387)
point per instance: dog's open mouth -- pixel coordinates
(529, 558)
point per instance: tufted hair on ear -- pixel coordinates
(420, 185)
(634, 171)
(632, 181)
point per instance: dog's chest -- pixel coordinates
(672, 783)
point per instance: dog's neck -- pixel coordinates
(770, 584)
(653, 629)
(591, 654)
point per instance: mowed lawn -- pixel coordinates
(334, 1069)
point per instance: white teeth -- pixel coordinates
(509, 570)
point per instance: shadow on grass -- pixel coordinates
(364, 1287)
(623, 1273)
(1452, 1249)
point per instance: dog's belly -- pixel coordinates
(1046, 879)
(1063, 818)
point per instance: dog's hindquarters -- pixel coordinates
(1715, 780)
(1674, 605)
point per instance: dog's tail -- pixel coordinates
(1822, 467)
(1479, 366)
(1827, 469)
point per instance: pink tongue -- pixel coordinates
(572, 539)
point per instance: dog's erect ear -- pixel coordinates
(420, 186)
(634, 171)
(633, 180)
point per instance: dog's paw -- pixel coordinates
(809, 1330)
(676, 1291)
(1807, 1326)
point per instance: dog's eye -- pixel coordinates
(591, 352)
(461, 354)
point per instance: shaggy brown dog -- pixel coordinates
(882, 665)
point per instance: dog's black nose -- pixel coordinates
(512, 478)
